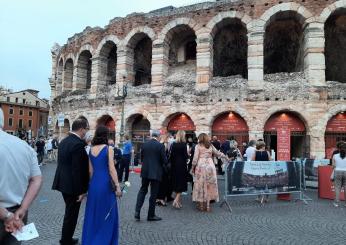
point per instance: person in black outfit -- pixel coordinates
(72, 177)
(165, 189)
(178, 160)
(225, 146)
(117, 157)
(154, 164)
(40, 150)
(192, 147)
(216, 143)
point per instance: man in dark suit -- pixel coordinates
(154, 163)
(72, 177)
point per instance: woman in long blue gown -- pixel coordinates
(101, 220)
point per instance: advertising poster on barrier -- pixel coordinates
(270, 177)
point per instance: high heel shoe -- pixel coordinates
(175, 205)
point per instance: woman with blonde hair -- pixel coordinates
(178, 157)
(203, 167)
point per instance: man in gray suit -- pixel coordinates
(154, 163)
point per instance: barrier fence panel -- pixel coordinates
(248, 178)
(310, 171)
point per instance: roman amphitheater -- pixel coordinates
(246, 69)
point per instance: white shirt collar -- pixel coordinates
(75, 134)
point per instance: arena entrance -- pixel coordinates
(335, 132)
(107, 121)
(285, 133)
(64, 130)
(230, 125)
(182, 121)
(140, 133)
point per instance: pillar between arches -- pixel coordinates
(255, 59)
(204, 62)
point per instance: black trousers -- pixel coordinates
(5, 237)
(70, 219)
(165, 188)
(124, 165)
(154, 189)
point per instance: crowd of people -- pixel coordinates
(93, 166)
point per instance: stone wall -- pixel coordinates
(200, 88)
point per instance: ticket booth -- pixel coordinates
(231, 125)
(335, 132)
(285, 133)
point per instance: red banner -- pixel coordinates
(337, 124)
(283, 144)
(325, 186)
(181, 122)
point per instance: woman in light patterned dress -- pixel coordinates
(203, 168)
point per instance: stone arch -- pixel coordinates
(141, 29)
(69, 56)
(109, 38)
(67, 76)
(138, 111)
(107, 54)
(228, 31)
(167, 115)
(59, 76)
(304, 13)
(138, 45)
(219, 111)
(162, 37)
(330, 9)
(283, 48)
(212, 24)
(335, 43)
(322, 123)
(84, 67)
(290, 109)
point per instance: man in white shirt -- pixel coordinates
(20, 182)
(251, 150)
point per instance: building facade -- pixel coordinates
(25, 114)
(248, 69)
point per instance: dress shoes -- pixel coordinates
(72, 242)
(154, 218)
(137, 216)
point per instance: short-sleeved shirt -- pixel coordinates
(250, 152)
(127, 148)
(340, 164)
(18, 163)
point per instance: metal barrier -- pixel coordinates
(253, 178)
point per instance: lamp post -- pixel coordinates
(123, 96)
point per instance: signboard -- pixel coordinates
(337, 124)
(257, 177)
(49, 120)
(61, 119)
(283, 144)
(181, 122)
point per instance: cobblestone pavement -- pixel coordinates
(276, 223)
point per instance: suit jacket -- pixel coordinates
(72, 173)
(154, 160)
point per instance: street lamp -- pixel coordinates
(122, 93)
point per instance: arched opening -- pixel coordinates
(182, 46)
(68, 75)
(181, 121)
(140, 50)
(108, 121)
(84, 70)
(230, 48)
(139, 130)
(64, 131)
(285, 133)
(230, 125)
(108, 55)
(283, 43)
(59, 77)
(335, 132)
(335, 49)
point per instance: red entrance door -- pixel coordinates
(232, 125)
(284, 125)
(335, 131)
(181, 122)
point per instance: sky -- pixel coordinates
(29, 28)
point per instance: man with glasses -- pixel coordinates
(72, 177)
